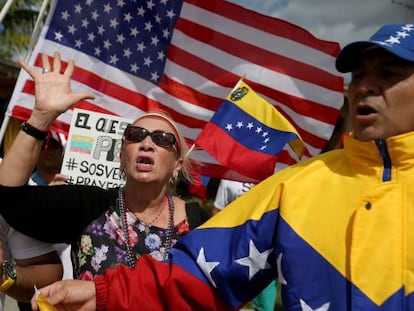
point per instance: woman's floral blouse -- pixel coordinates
(102, 244)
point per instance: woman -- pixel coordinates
(146, 217)
(114, 226)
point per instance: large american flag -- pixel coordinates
(185, 56)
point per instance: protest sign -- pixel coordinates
(93, 149)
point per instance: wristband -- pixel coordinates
(33, 131)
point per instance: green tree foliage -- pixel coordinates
(17, 27)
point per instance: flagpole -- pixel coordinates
(5, 9)
(37, 28)
(189, 150)
(32, 42)
(3, 128)
(6, 119)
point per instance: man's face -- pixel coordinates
(381, 96)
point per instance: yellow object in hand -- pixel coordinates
(42, 302)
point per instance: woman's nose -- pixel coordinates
(146, 144)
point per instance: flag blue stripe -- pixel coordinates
(249, 131)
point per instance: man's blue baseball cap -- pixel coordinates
(397, 39)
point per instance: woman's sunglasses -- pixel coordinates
(160, 138)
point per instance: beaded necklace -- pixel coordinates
(148, 225)
(124, 225)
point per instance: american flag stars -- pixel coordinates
(127, 35)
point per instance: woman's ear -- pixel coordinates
(178, 167)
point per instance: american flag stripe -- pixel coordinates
(130, 97)
(236, 47)
(255, 72)
(265, 23)
(125, 95)
(213, 44)
(80, 74)
(302, 46)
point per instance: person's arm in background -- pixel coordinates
(35, 263)
(53, 97)
(227, 192)
(214, 210)
(221, 199)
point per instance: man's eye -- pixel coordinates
(357, 75)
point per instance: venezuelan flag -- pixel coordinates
(246, 131)
(81, 144)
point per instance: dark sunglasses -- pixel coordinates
(160, 138)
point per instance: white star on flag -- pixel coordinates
(408, 27)
(402, 34)
(256, 260)
(206, 266)
(306, 307)
(393, 40)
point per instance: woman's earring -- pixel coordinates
(122, 174)
(173, 179)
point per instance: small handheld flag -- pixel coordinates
(247, 133)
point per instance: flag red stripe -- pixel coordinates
(92, 107)
(256, 55)
(267, 24)
(233, 154)
(188, 94)
(196, 64)
(219, 171)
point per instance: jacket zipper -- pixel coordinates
(382, 147)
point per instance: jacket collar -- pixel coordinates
(400, 149)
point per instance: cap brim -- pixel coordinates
(347, 57)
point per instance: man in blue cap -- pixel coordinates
(336, 229)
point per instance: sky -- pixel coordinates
(342, 21)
